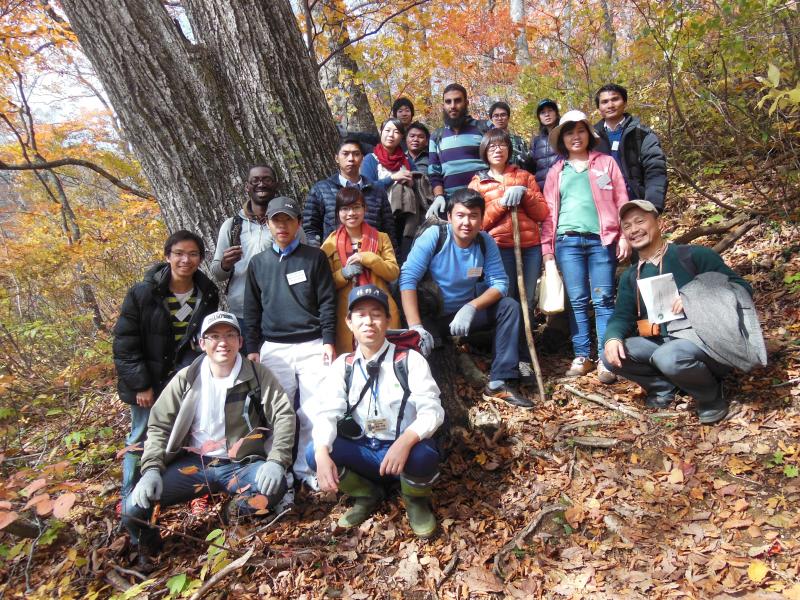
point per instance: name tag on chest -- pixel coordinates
(615, 145)
(474, 272)
(296, 277)
(377, 425)
(184, 312)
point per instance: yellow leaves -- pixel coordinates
(737, 466)
(190, 470)
(675, 476)
(757, 571)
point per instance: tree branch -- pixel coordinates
(369, 32)
(78, 162)
(697, 232)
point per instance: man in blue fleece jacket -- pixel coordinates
(470, 277)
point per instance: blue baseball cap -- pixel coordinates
(367, 292)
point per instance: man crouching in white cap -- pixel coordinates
(222, 425)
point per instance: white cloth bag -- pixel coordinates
(551, 290)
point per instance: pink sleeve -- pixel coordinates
(551, 193)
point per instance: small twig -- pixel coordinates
(448, 570)
(221, 574)
(629, 412)
(590, 441)
(580, 425)
(117, 582)
(130, 572)
(268, 525)
(521, 536)
(785, 383)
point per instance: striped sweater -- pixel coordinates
(455, 158)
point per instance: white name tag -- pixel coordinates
(474, 272)
(184, 312)
(615, 145)
(296, 277)
(377, 425)
(604, 181)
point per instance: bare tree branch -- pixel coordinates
(77, 162)
(369, 32)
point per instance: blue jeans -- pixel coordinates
(132, 459)
(505, 317)
(225, 476)
(364, 456)
(587, 268)
(531, 267)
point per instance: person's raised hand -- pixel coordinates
(230, 257)
(513, 196)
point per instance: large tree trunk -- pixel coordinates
(198, 114)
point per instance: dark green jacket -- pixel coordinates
(623, 322)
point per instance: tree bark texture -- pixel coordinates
(199, 114)
(350, 103)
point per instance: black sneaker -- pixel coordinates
(656, 401)
(508, 394)
(713, 412)
(526, 374)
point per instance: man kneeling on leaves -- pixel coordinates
(377, 412)
(222, 425)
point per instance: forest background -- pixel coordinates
(719, 81)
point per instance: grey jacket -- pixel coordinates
(721, 320)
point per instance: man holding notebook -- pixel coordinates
(700, 323)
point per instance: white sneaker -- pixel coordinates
(603, 374)
(580, 366)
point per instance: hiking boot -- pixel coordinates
(656, 401)
(603, 374)
(715, 411)
(418, 508)
(367, 496)
(507, 393)
(581, 365)
(199, 506)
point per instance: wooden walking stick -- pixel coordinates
(523, 300)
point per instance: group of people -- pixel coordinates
(302, 379)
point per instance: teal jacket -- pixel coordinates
(623, 322)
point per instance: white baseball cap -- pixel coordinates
(219, 317)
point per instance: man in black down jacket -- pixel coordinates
(319, 211)
(155, 334)
(634, 146)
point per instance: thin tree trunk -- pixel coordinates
(523, 52)
(610, 38)
(199, 115)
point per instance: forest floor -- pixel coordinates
(574, 499)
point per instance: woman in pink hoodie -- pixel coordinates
(584, 192)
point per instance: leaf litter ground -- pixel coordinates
(569, 500)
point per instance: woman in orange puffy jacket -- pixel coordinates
(504, 186)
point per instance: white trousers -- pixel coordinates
(298, 366)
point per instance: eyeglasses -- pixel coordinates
(351, 209)
(493, 147)
(257, 180)
(498, 115)
(216, 338)
(190, 255)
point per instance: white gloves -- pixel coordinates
(269, 477)
(426, 340)
(513, 196)
(149, 488)
(463, 320)
(437, 206)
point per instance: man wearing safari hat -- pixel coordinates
(715, 326)
(222, 425)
